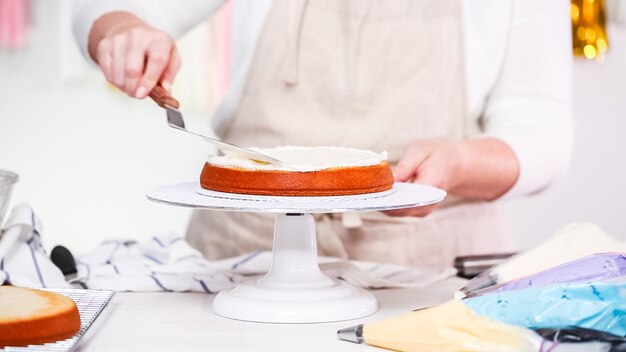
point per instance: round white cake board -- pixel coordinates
(402, 195)
(295, 290)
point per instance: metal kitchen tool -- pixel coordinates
(90, 304)
(175, 120)
(469, 266)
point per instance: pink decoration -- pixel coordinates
(13, 23)
(222, 27)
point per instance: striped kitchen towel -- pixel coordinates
(23, 259)
(163, 263)
(168, 263)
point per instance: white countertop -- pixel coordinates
(185, 322)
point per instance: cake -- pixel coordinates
(29, 316)
(304, 171)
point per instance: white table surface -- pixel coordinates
(185, 322)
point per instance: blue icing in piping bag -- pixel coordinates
(600, 306)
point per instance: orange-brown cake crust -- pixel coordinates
(328, 182)
(43, 328)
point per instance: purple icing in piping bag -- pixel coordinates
(594, 268)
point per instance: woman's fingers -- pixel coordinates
(105, 59)
(406, 168)
(433, 172)
(171, 70)
(133, 70)
(118, 65)
(419, 211)
(158, 56)
(136, 59)
(430, 162)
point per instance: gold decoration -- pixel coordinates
(589, 28)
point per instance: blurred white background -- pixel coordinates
(594, 188)
(86, 154)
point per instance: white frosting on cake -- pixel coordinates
(304, 159)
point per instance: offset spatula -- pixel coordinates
(175, 120)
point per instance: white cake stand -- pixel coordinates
(295, 290)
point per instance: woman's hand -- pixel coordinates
(133, 56)
(482, 169)
(431, 162)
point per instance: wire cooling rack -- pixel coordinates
(90, 304)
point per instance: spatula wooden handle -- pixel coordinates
(162, 97)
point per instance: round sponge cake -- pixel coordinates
(304, 171)
(30, 316)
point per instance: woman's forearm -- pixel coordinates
(487, 169)
(482, 169)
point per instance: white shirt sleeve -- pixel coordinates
(171, 16)
(529, 107)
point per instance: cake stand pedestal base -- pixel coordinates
(295, 290)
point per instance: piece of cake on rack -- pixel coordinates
(304, 171)
(29, 316)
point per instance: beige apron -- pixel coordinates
(366, 74)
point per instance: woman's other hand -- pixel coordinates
(132, 55)
(482, 169)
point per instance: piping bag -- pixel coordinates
(572, 242)
(501, 321)
(453, 326)
(495, 321)
(599, 305)
(594, 268)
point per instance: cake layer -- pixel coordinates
(327, 182)
(30, 316)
